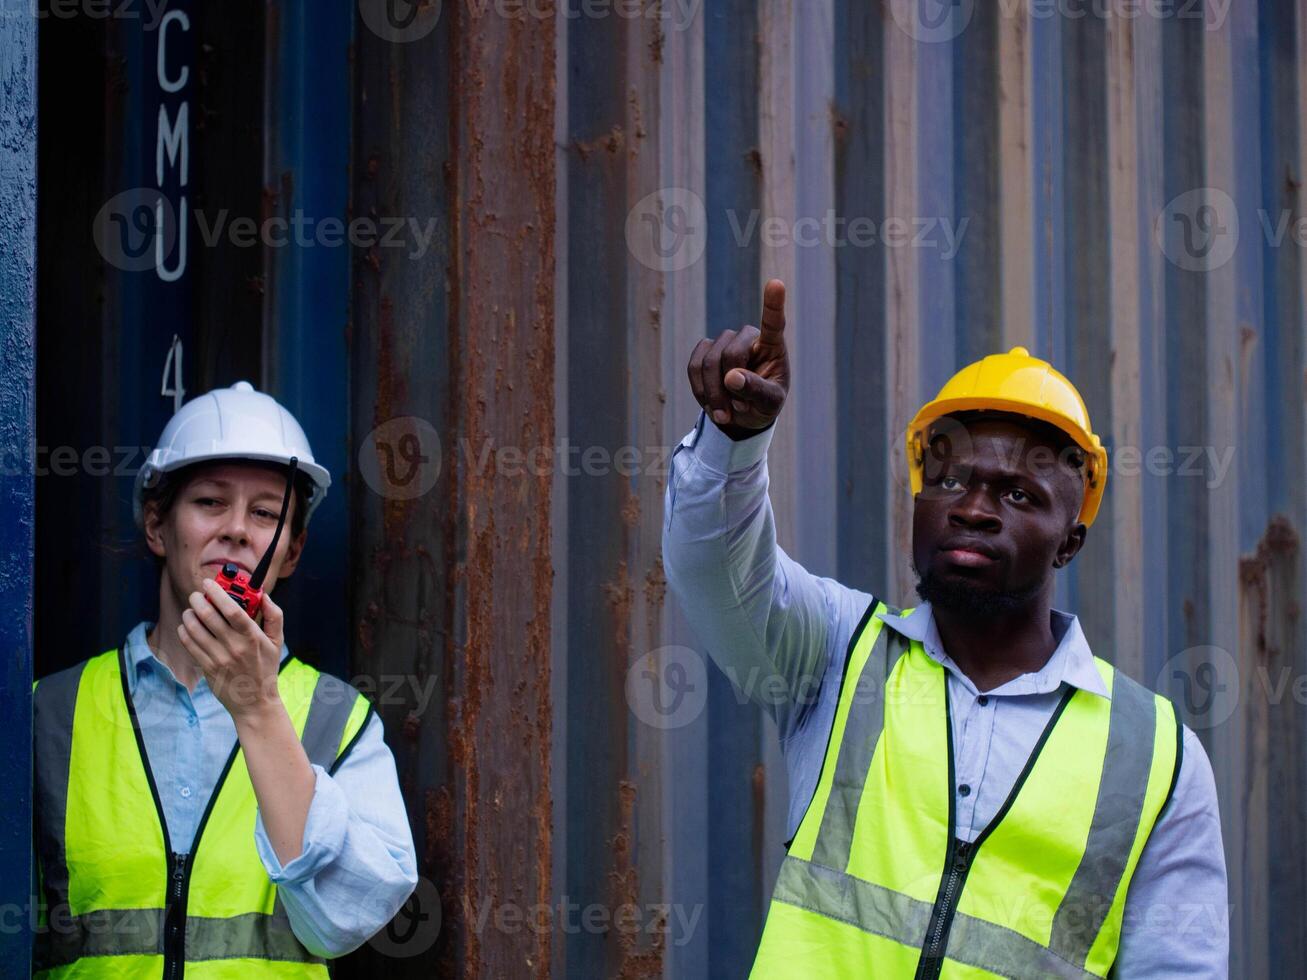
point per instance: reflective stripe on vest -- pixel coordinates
(104, 851)
(875, 883)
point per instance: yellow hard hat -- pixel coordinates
(1023, 385)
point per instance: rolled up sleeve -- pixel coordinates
(357, 865)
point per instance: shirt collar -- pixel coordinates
(1072, 661)
(138, 654)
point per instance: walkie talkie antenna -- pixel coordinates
(260, 573)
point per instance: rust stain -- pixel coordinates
(1275, 557)
(655, 591)
(502, 352)
(657, 41)
(630, 508)
(637, 120)
(624, 879)
(612, 142)
(753, 157)
(619, 595)
(839, 125)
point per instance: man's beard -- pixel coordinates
(958, 596)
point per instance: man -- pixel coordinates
(973, 792)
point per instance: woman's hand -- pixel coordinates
(239, 660)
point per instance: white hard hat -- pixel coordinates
(230, 423)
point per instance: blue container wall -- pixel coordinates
(17, 477)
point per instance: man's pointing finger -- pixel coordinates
(773, 316)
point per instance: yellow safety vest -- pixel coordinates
(119, 902)
(876, 884)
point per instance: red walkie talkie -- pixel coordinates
(247, 589)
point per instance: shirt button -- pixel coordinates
(964, 790)
(192, 721)
(186, 791)
(982, 700)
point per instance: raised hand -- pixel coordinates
(742, 378)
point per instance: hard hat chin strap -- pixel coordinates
(261, 572)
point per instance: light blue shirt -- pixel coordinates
(358, 864)
(763, 615)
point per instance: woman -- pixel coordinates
(205, 802)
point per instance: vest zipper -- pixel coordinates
(957, 862)
(174, 938)
(179, 865)
(941, 916)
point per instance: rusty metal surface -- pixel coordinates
(455, 584)
(530, 602)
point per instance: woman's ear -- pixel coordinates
(293, 551)
(154, 529)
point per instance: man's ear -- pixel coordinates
(1071, 545)
(154, 529)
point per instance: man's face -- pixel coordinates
(996, 514)
(224, 512)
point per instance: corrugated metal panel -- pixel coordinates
(17, 481)
(309, 95)
(1060, 141)
(1025, 173)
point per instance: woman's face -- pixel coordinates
(225, 512)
